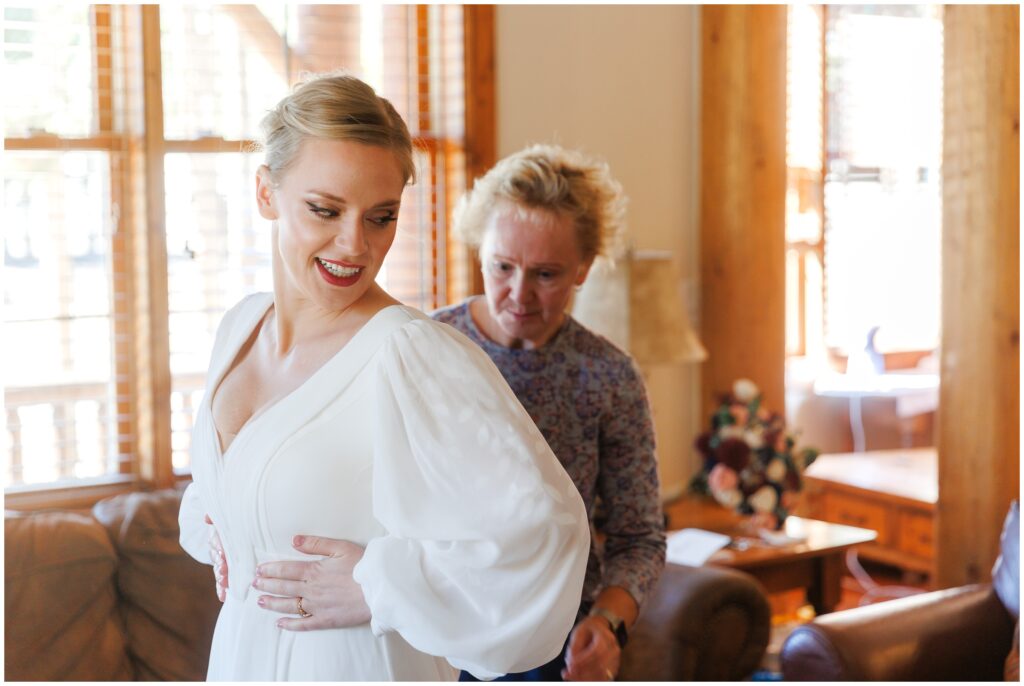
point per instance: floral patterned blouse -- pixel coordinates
(589, 400)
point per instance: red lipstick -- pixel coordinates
(338, 280)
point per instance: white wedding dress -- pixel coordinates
(408, 442)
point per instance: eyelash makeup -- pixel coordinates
(386, 219)
(325, 214)
(321, 213)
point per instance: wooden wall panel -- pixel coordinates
(743, 186)
(979, 411)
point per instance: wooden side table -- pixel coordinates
(814, 564)
(893, 492)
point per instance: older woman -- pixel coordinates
(334, 410)
(540, 217)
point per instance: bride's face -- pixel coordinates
(335, 209)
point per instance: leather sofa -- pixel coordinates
(109, 595)
(956, 634)
(106, 595)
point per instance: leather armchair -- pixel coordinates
(700, 624)
(958, 634)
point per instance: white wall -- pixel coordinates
(620, 82)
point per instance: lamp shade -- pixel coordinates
(638, 305)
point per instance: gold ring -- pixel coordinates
(302, 612)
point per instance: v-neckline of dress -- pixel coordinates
(236, 349)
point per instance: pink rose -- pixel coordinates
(721, 478)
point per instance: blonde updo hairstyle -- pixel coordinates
(333, 106)
(553, 179)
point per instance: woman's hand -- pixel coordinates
(593, 653)
(220, 563)
(325, 587)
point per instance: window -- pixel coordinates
(130, 222)
(864, 150)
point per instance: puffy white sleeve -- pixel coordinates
(487, 538)
(194, 531)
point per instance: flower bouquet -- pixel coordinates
(750, 463)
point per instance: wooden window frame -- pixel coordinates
(138, 244)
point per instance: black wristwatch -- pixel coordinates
(618, 626)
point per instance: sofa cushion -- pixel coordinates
(168, 599)
(1006, 571)
(61, 620)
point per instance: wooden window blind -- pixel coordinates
(131, 221)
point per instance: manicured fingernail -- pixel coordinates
(298, 540)
(259, 571)
(261, 601)
(255, 583)
(280, 624)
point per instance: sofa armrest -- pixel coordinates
(699, 624)
(959, 634)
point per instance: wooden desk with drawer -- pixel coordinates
(893, 492)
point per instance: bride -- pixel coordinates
(334, 410)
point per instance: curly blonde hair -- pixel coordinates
(335, 106)
(551, 178)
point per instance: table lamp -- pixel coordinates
(638, 305)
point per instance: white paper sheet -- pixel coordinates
(693, 546)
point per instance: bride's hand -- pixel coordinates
(325, 588)
(220, 563)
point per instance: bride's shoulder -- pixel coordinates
(252, 306)
(253, 302)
